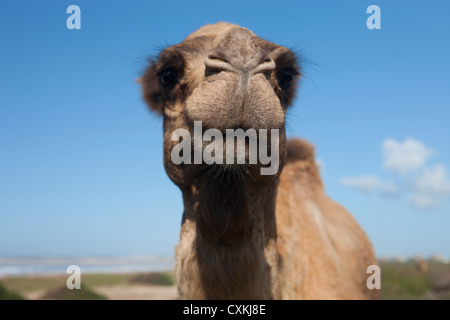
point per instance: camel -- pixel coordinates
(245, 235)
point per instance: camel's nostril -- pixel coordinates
(216, 58)
(214, 63)
(267, 66)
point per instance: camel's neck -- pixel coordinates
(227, 244)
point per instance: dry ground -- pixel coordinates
(399, 280)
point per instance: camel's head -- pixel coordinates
(227, 78)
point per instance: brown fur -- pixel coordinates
(244, 235)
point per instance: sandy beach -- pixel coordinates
(124, 286)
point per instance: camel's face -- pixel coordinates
(227, 78)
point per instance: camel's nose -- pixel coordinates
(237, 51)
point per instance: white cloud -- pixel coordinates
(424, 201)
(402, 157)
(371, 183)
(388, 188)
(363, 183)
(426, 186)
(430, 187)
(433, 181)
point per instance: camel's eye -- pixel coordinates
(169, 77)
(286, 77)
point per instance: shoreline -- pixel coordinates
(23, 266)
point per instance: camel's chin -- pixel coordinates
(235, 172)
(225, 170)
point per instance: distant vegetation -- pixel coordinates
(162, 279)
(62, 293)
(6, 294)
(404, 281)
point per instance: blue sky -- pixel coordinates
(81, 169)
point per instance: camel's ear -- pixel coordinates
(151, 90)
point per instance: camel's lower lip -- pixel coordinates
(227, 170)
(231, 150)
(228, 166)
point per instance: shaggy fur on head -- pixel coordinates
(245, 235)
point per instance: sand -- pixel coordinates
(138, 292)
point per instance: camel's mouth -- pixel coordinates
(235, 102)
(237, 151)
(226, 173)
